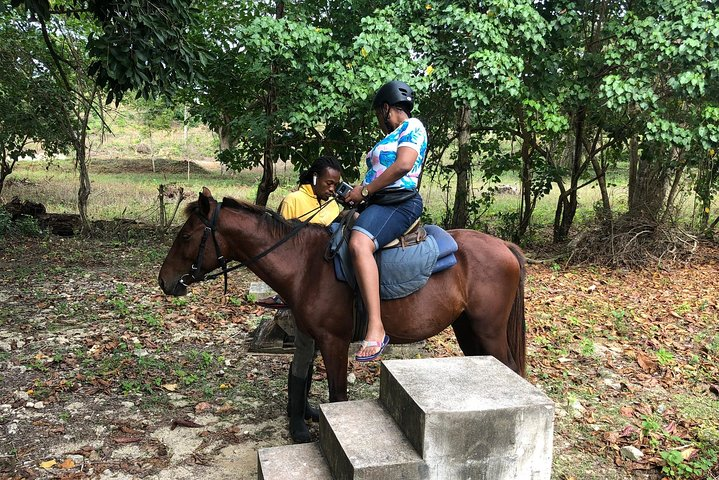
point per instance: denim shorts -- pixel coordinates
(384, 223)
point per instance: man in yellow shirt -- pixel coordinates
(314, 200)
(315, 195)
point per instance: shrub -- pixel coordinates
(5, 222)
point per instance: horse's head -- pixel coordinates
(194, 252)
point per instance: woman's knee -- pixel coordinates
(360, 244)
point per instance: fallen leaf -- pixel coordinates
(170, 387)
(226, 408)
(127, 439)
(48, 465)
(671, 428)
(128, 429)
(68, 463)
(647, 363)
(627, 411)
(202, 406)
(184, 422)
(688, 453)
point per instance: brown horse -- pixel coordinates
(482, 297)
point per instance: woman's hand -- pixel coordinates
(354, 197)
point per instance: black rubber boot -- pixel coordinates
(297, 397)
(311, 413)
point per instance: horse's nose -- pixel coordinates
(162, 283)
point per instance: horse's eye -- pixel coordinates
(185, 236)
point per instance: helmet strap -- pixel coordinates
(386, 119)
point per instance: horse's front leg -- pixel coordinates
(334, 353)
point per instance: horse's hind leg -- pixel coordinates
(468, 341)
(475, 337)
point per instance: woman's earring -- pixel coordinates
(314, 179)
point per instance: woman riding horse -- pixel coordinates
(394, 166)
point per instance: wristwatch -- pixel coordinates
(365, 192)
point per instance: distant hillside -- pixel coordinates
(146, 130)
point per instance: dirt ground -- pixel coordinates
(105, 377)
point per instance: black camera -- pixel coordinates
(343, 189)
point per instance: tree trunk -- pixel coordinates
(704, 187)
(713, 225)
(633, 167)
(462, 167)
(600, 170)
(669, 208)
(568, 201)
(5, 169)
(269, 183)
(226, 141)
(527, 208)
(83, 192)
(648, 191)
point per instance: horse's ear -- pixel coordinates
(206, 192)
(204, 201)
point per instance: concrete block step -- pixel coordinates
(289, 462)
(470, 417)
(362, 442)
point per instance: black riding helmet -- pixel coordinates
(392, 93)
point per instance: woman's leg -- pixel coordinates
(362, 250)
(375, 227)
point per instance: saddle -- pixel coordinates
(405, 264)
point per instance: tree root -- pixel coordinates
(631, 242)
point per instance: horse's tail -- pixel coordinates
(516, 327)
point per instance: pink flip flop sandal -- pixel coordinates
(370, 343)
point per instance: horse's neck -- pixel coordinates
(251, 236)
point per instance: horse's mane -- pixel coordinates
(277, 223)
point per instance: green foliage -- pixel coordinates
(30, 100)
(5, 222)
(296, 83)
(665, 357)
(587, 347)
(294, 88)
(28, 226)
(677, 467)
(140, 46)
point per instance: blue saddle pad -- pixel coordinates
(403, 270)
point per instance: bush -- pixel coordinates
(5, 222)
(26, 225)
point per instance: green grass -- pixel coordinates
(132, 193)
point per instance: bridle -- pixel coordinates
(211, 228)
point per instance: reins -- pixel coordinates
(211, 228)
